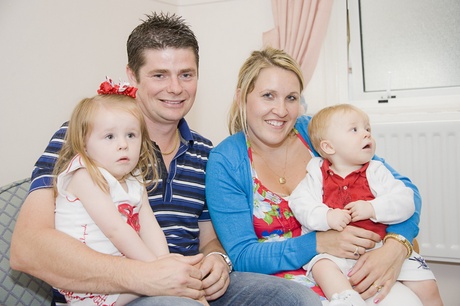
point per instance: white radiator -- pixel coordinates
(428, 153)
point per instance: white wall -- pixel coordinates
(227, 31)
(55, 52)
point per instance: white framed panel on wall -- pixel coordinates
(400, 51)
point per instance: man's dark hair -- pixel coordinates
(159, 31)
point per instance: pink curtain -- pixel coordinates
(300, 27)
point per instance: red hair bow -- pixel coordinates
(110, 88)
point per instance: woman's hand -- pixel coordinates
(349, 243)
(376, 271)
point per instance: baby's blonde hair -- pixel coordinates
(320, 122)
(81, 124)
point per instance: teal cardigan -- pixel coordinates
(229, 195)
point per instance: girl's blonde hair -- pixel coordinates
(81, 124)
(249, 72)
(320, 122)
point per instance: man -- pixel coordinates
(163, 65)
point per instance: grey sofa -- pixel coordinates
(16, 288)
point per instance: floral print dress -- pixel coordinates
(274, 221)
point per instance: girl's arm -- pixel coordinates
(150, 231)
(37, 249)
(102, 210)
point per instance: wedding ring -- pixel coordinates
(356, 253)
(378, 287)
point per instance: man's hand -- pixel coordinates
(173, 275)
(216, 276)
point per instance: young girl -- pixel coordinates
(102, 172)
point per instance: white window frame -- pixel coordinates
(430, 99)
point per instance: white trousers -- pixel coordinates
(399, 295)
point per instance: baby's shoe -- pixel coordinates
(347, 298)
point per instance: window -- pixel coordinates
(403, 49)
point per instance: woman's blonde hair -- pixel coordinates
(320, 122)
(249, 72)
(81, 124)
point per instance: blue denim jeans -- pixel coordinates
(247, 289)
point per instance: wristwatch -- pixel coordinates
(226, 258)
(400, 239)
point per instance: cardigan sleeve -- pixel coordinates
(230, 199)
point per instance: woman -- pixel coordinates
(251, 174)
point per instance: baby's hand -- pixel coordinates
(360, 210)
(338, 218)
